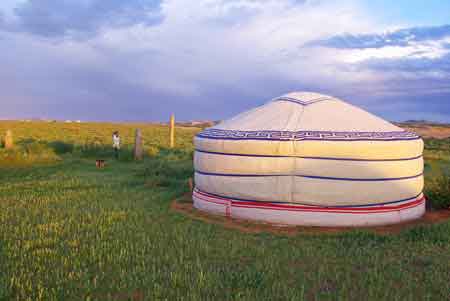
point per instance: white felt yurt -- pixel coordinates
(309, 159)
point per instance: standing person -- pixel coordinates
(116, 144)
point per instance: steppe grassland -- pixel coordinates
(69, 231)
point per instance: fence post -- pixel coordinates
(9, 141)
(138, 152)
(172, 131)
(191, 184)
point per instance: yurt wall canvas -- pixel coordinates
(310, 159)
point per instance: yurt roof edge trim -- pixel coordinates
(308, 177)
(212, 133)
(308, 157)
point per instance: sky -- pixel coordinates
(141, 60)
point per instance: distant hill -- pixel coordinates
(423, 122)
(426, 129)
(198, 123)
(416, 121)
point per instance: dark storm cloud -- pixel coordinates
(56, 18)
(402, 37)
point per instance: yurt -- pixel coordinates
(312, 160)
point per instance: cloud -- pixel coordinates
(401, 38)
(405, 62)
(57, 18)
(208, 58)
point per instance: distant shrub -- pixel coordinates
(126, 154)
(171, 169)
(438, 191)
(437, 144)
(100, 151)
(176, 154)
(152, 151)
(96, 150)
(26, 153)
(61, 147)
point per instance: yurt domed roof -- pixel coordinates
(307, 111)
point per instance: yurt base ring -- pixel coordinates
(185, 206)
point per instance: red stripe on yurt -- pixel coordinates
(270, 206)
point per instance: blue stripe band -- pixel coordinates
(307, 177)
(312, 158)
(339, 206)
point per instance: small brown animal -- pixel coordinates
(100, 163)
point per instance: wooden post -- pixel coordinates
(191, 184)
(172, 131)
(9, 141)
(138, 151)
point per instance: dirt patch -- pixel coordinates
(184, 205)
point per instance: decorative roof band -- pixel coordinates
(302, 102)
(306, 135)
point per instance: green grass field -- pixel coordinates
(69, 231)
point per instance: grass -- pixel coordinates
(438, 191)
(28, 153)
(69, 231)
